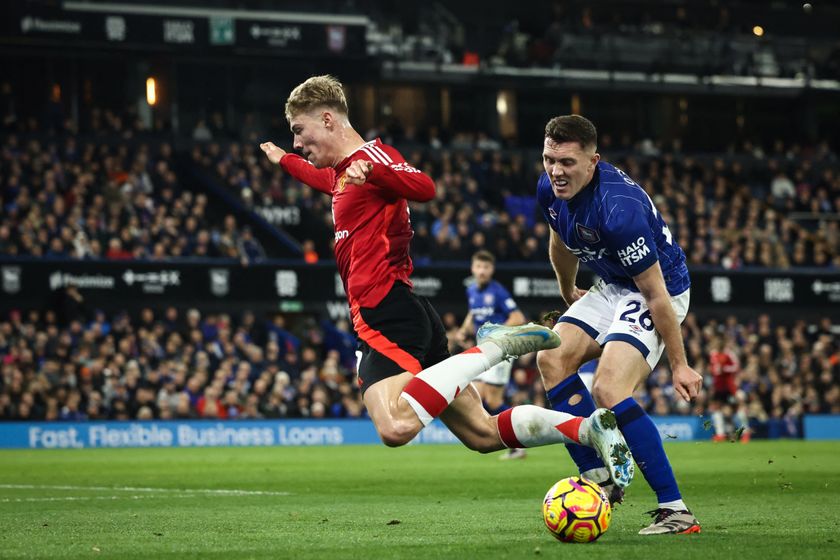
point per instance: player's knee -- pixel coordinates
(605, 393)
(397, 433)
(482, 443)
(555, 365)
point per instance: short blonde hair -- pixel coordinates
(317, 91)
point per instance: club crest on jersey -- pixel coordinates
(587, 235)
(341, 183)
(488, 299)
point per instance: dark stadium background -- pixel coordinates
(155, 266)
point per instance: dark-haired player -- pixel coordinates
(600, 217)
(489, 301)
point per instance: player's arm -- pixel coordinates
(508, 307)
(651, 284)
(467, 327)
(515, 318)
(319, 179)
(565, 265)
(392, 174)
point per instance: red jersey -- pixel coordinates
(724, 366)
(372, 227)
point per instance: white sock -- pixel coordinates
(675, 505)
(717, 420)
(742, 419)
(598, 475)
(532, 426)
(431, 390)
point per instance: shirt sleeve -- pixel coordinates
(506, 302)
(544, 184)
(627, 234)
(319, 179)
(393, 175)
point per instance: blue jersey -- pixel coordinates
(612, 226)
(491, 303)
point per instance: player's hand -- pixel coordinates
(687, 382)
(572, 296)
(358, 171)
(272, 152)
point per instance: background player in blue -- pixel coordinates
(599, 216)
(489, 301)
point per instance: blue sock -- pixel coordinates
(584, 457)
(646, 444)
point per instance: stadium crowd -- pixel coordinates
(750, 208)
(63, 198)
(172, 363)
(116, 195)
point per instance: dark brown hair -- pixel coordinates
(572, 128)
(485, 256)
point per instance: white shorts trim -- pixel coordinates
(609, 312)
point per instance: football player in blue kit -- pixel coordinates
(600, 217)
(489, 301)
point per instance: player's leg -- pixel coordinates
(491, 387)
(530, 426)
(630, 353)
(492, 395)
(742, 420)
(522, 426)
(404, 336)
(718, 419)
(587, 320)
(533, 426)
(395, 421)
(432, 389)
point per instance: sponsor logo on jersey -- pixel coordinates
(552, 213)
(586, 255)
(341, 234)
(488, 299)
(481, 313)
(587, 235)
(634, 252)
(402, 166)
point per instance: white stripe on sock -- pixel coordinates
(424, 416)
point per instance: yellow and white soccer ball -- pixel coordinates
(576, 510)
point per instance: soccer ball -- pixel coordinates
(576, 510)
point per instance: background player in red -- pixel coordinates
(405, 371)
(726, 403)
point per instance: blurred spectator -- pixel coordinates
(758, 374)
(91, 200)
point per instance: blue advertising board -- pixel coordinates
(822, 427)
(248, 433)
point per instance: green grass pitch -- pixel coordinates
(763, 500)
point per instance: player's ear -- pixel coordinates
(327, 119)
(596, 157)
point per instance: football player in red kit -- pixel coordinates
(405, 371)
(727, 402)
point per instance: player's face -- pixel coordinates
(569, 167)
(311, 138)
(482, 271)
